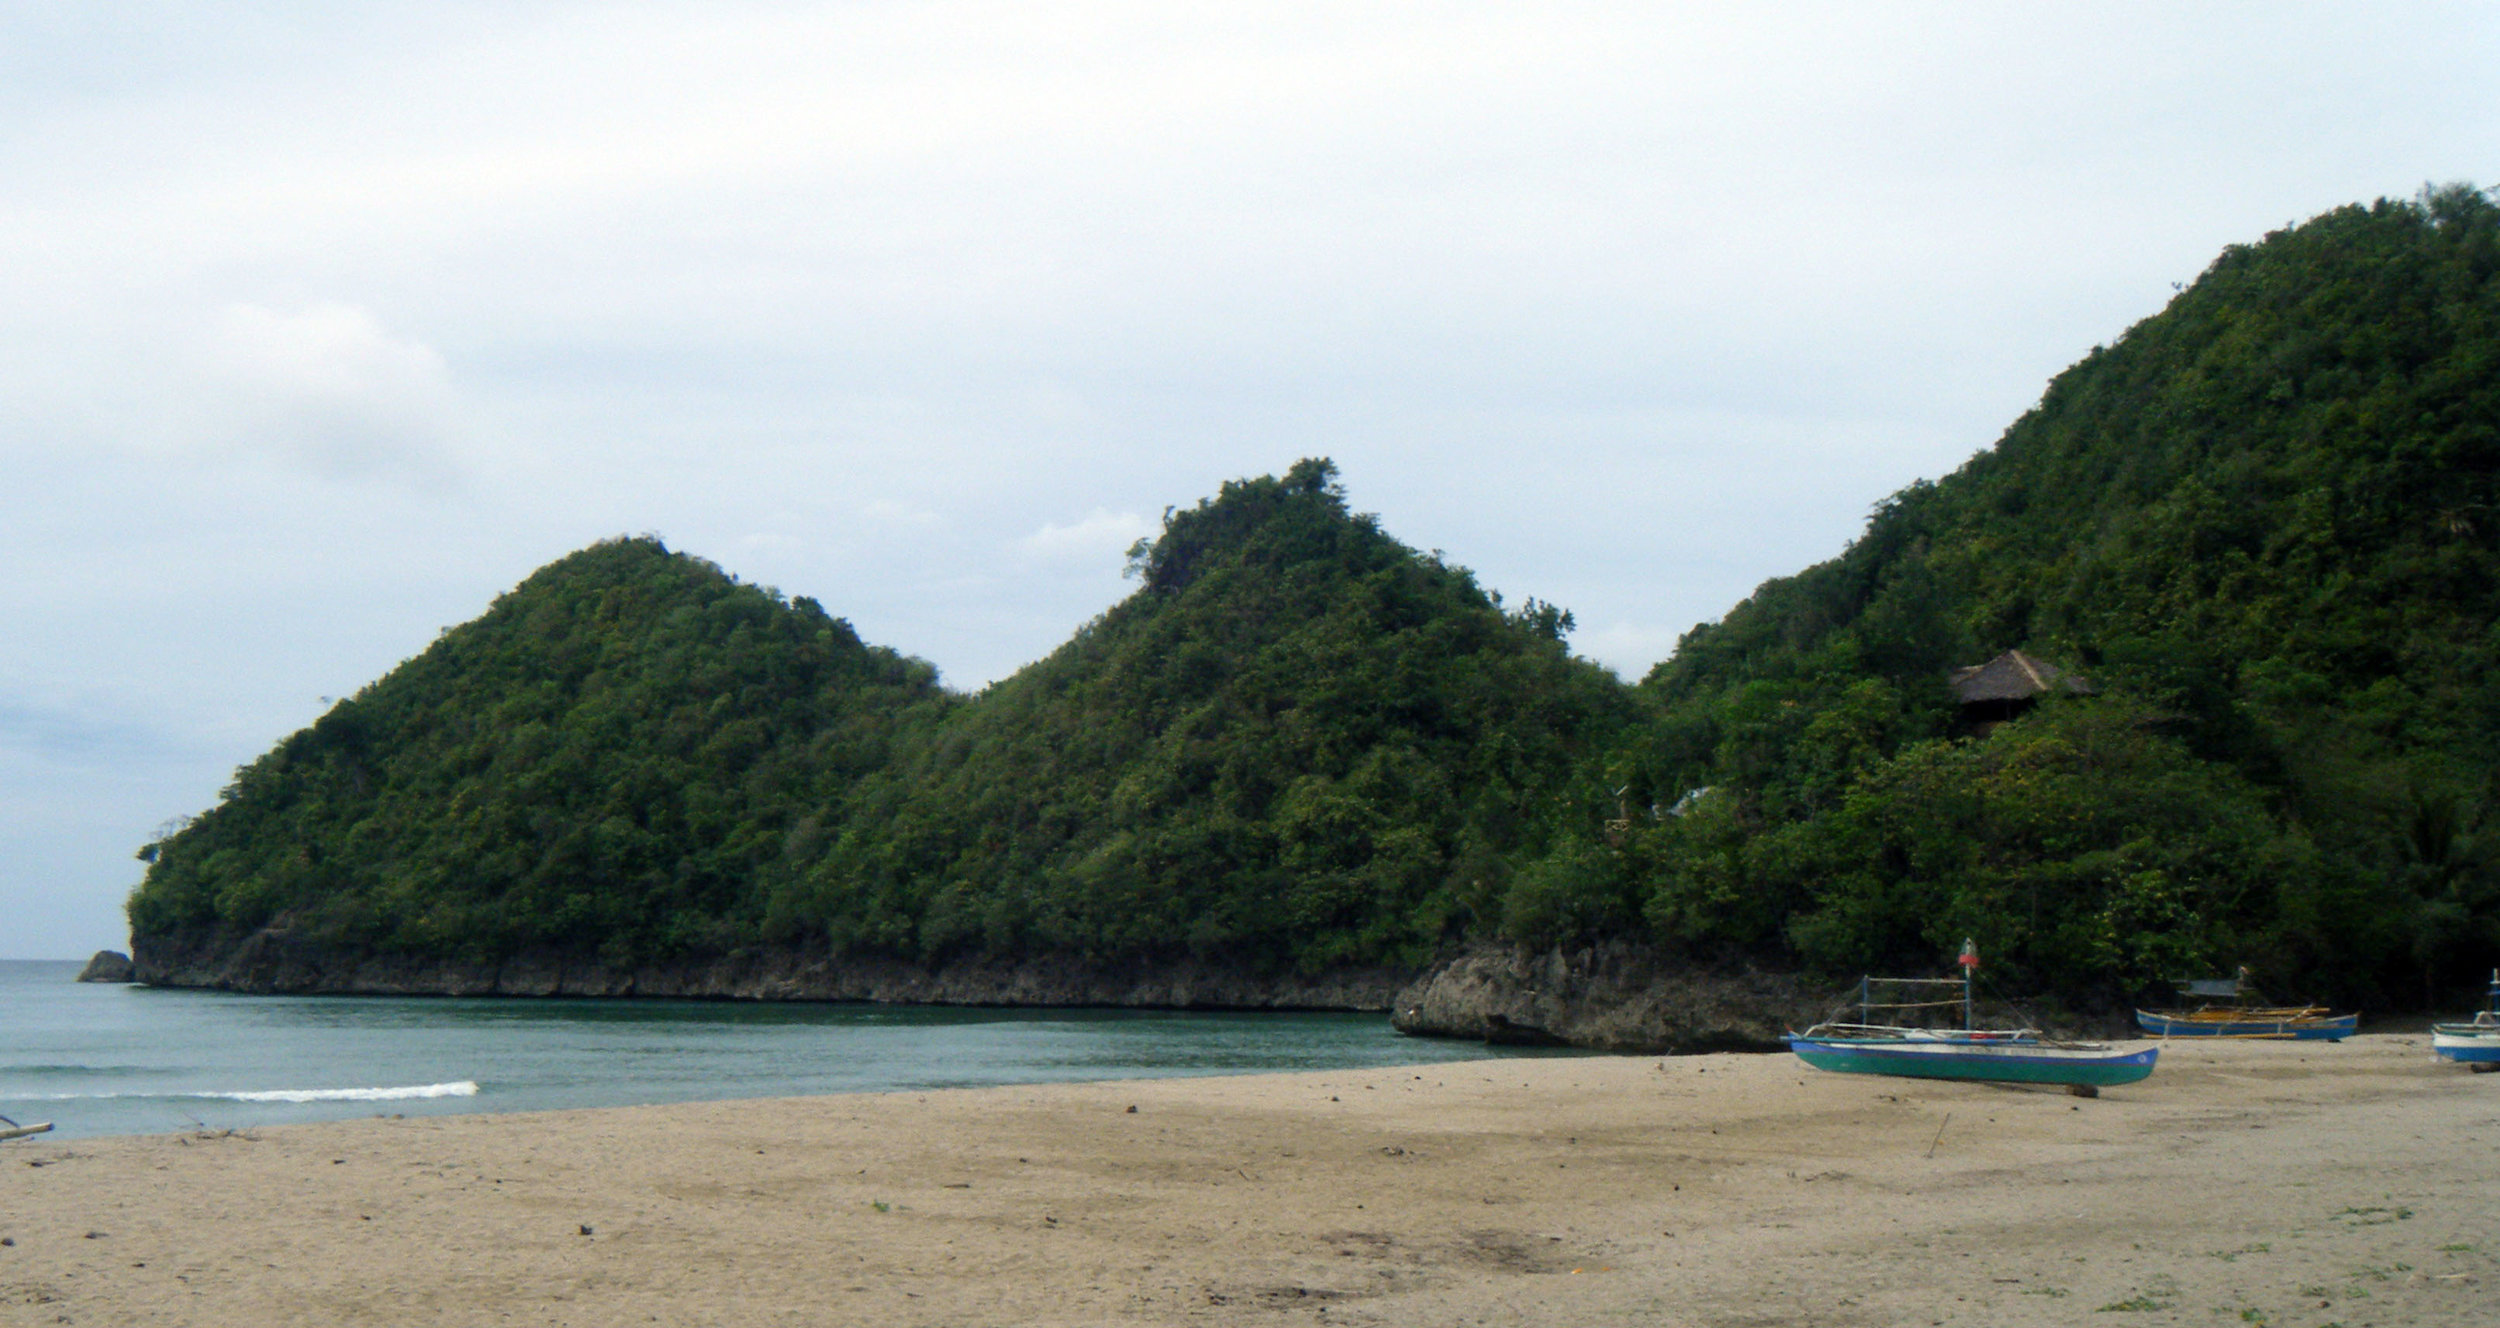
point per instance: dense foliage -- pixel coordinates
(2262, 522)
(609, 760)
(1299, 744)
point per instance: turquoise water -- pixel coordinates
(111, 1059)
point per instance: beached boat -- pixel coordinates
(1993, 1055)
(2474, 1041)
(2230, 1011)
(2019, 1056)
(2304, 1022)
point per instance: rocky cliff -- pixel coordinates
(275, 961)
(1614, 997)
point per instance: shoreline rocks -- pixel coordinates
(1613, 996)
(275, 961)
(107, 966)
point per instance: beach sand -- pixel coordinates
(2283, 1184)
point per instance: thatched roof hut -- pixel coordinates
(2002, 687)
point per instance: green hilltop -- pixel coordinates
(613, 759)
(2261, 523)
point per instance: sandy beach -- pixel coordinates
(2281, 1184)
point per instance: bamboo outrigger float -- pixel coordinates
(10, 1129)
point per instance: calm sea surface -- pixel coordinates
(112, 1059)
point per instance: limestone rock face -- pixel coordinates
(107, 966)
(1615, 997)
(274, 960)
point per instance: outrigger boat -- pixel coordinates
(2476, 1041)
(2240, 1017)
(1993, 1055)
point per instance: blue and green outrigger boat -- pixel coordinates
(2008, 1056)
(1990, 1055)
(2300, 1023)
(2231, 1012)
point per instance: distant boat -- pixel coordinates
(2301, 1022)
(2476, 1041)
(2241, 1017)
(1992, 1055)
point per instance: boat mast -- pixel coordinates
(1970, 965)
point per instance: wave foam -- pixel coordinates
(462, 1088)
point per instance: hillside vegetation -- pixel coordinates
(1299, 745)
(2262, 523)
(614, 758)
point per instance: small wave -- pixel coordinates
(462, 1088)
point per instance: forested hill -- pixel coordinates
(2263, 524)
(612, 759)
(1297, 746)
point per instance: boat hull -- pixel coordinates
(2466, 1044)
(2305, 1028)
(2000, 1062)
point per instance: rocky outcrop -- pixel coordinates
(1614, 996)
(277, 961)
(107, 966)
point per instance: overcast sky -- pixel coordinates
(321, 325)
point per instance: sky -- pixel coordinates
(322, 325)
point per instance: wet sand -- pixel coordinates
(2283, 1184)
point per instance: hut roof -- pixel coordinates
(2013, 676)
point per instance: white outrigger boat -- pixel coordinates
(2476, 1041)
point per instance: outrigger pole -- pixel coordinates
(10, 1129)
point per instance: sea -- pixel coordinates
(100, 1059)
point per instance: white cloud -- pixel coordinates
(325, 387)
(324, 351)
(1103, 536)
